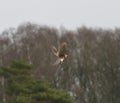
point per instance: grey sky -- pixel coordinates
(68, 13)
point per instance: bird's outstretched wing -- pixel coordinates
(63, 49)
(54, 50)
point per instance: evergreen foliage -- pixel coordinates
(21, 87)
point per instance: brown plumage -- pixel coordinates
(61, 53)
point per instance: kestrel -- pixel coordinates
(61, 53)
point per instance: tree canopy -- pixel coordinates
(21, 87)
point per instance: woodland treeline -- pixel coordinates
(90, 74)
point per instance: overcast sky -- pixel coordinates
(68, 13)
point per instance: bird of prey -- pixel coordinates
(61, 53)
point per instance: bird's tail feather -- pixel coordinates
(58, 61)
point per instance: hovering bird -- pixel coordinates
(61, 53)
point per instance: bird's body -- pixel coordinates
(61, 53)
